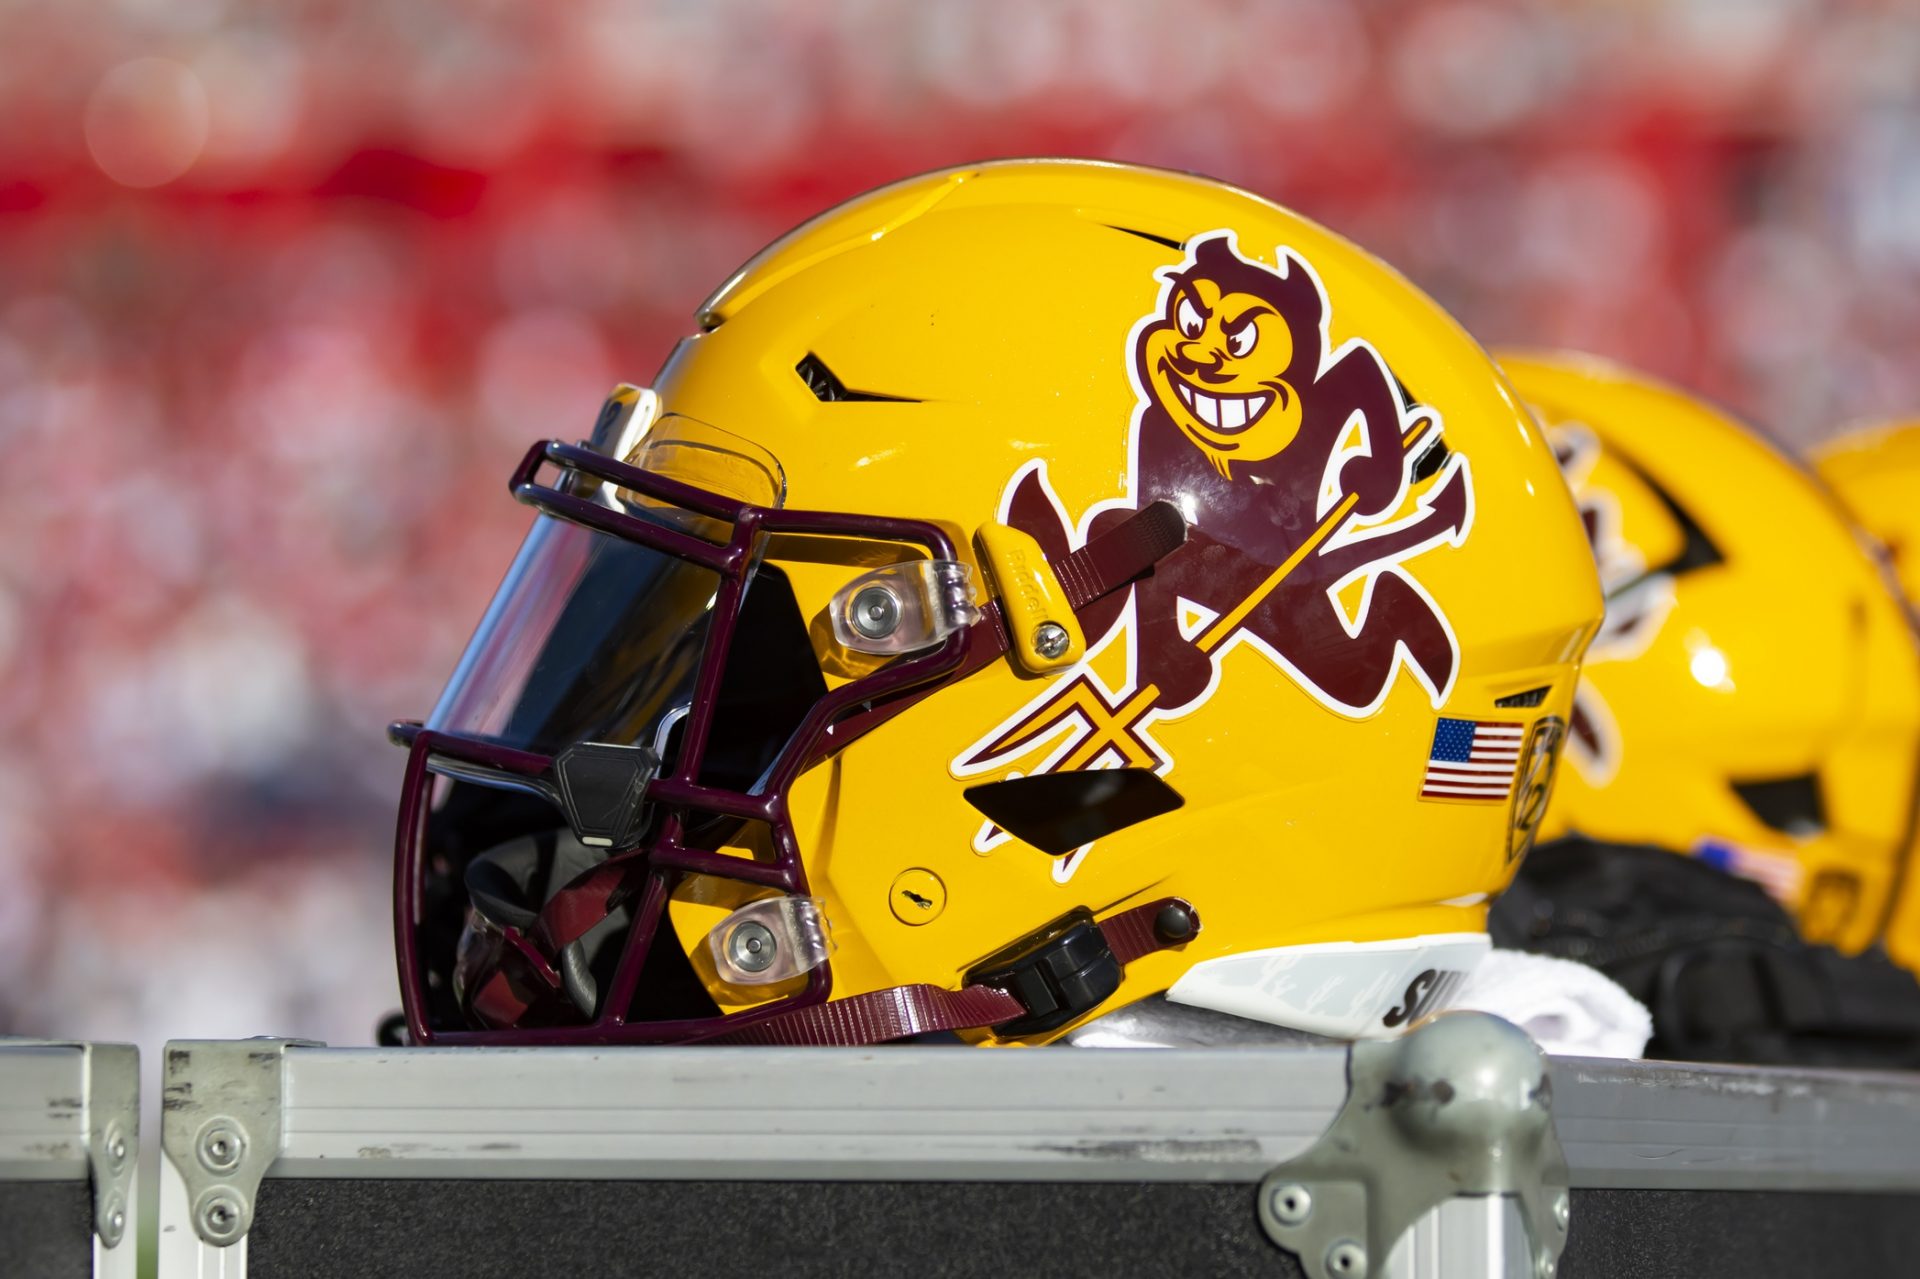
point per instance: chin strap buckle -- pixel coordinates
(1058, 972)
(1070, 965)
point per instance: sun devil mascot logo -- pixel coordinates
(1305, 475)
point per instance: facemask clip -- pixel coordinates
(771, 940)
(904, 608)
(603, 790)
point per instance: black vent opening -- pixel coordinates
(771, 681)
(1792, 805)
(1059, 812)
(1148, 235)
(1434, 453)
(1532, 697)
(1697, 550)
(1431, 459)
(829, 389)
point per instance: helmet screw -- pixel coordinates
(1562, 1210)
(875, 612)
(752, 947)
(1050, 639)
(1290, 1204)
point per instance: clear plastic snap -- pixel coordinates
(904, 607)
(771, 940)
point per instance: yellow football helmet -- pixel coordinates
(1876, 472)
(1033, 587)
(1754, 695)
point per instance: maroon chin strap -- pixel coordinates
(900, 1011)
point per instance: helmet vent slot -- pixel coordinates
(829, 389)
(1697, 550)
(1148, 235)
(1791, 805)
(1428, 464)
(1059, 812)
(1532, 697)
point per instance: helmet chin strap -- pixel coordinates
(900, 1011)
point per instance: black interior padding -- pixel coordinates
(771, 681)
(669, 989)
(473, 819)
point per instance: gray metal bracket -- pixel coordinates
(1461, 1106)
(220, 1107)
(113, 1134)
(109, 1102)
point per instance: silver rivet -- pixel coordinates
(115, 1224)
(1290, 1204)
(1348, 1260)
(221, 1146)
(1050, 639)
(1562, 1210)
(1545, 1267)
(751, 947)
(875, 612)
(116, 1144)
(218, 1217)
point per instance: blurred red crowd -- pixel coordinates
(285, 289)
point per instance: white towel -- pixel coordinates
(1569, 1009)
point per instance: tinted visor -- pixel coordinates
(589, 638)
(598, 637)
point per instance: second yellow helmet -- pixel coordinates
(1754, 695)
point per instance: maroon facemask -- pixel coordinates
(641, 694)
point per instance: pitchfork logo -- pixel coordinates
(1305, 477)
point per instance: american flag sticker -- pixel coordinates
(1778, 873)
(1472, 759)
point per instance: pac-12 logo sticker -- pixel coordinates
(1534, 787)
(1293, 462)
